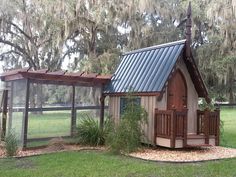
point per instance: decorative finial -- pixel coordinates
(188, 31)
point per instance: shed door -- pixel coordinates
(177, 92)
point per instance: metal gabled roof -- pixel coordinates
(145, 70)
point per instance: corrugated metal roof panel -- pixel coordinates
(145, 70)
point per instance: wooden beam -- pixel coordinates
(185, 127)
(102, 107)
(217, 140)
(173, 129)
(155, 127)
(9, 126)
(25, 116)
(4, 115)
(73, 113)
(206, 126)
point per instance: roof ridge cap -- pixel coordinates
(155, 47)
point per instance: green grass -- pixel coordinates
(90, 163)
(48, 124)
(97, 164)
(228, 116)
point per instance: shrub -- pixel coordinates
(11, 144)
(90, 133)
(127, 135)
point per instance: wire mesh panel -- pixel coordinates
(50, 111)
(1, 98)
(16, 102)
(87, 102)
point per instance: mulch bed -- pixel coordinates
(49, 149)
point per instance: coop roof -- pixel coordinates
(57, 77)
(146, 71)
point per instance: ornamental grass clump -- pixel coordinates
(11, 145)
(90, 133)
(127, 136)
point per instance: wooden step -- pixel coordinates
(198, 145)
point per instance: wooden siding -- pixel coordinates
(192, 104)
(148, 103)
(114, 107)
(162, 104)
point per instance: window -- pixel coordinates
(124, 103)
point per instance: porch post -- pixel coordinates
(206, 125)
(73, 113)
(25, 116)
(173, 128)
(155, 126)
(217, 139)
(185, 127)
(102, 101)
(10, 108)
(102, 106)
(4, 115)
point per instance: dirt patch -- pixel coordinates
(185, 155)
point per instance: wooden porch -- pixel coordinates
(170, 128)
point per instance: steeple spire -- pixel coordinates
(188, 31)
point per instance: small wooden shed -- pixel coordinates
(168, 84)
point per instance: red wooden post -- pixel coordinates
(173, 129)
(155, 127)
(102, 102)
(198, 122)
(26, 114)
(73, 113)
(4, 115)
(185, 127)
(217, 140)
(206, 126)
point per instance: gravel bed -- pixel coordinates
(153, 154)
(185, 155)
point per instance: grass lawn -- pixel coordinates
(228, 116)
(88, 163)
(48, 124)
(91, 163)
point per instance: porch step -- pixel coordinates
(198, 145)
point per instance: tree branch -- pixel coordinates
(21, 50)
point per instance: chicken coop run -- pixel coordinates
(40, 104)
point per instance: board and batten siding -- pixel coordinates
(148, 103)
(114, 108)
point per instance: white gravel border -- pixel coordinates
(185, 155)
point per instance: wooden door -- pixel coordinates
(177, 92)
